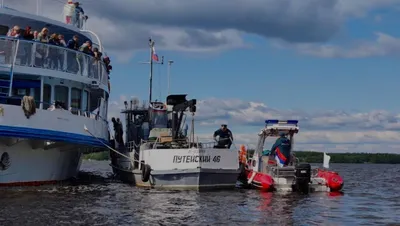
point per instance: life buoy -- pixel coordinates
(146, 172)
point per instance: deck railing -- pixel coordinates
(42, 55)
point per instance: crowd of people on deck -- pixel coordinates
(53, 55)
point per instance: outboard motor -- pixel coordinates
(302, 177)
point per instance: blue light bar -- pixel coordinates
(276, 121)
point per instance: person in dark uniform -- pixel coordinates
(120, 132)
(225, 136)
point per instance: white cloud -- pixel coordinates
(332, 131)
(251, 113)
(211, 26)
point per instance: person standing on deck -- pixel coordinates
(69, 12)
(79, 16)
(72, 60)
(225, 136)
(281, 149)
(120, 132)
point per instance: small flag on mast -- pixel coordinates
(154, 56)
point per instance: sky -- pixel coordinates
(331, 64)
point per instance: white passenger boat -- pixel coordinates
(47, 94)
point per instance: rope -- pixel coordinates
(112, 149)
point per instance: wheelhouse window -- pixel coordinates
(76, 98)
(46, 96)
(160, 118)
(61, 95)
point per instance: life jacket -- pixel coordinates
(243, 154)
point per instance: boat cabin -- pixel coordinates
(272, 129)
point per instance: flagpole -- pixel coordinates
(151, 44)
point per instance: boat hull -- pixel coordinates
(28, 157)
(55, 125)
(321, 181)
(189, 179)
(24, 165)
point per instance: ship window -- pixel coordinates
(85, 101)
(4, 30)
(61, 95)
(76, 98)
(21, 92)
(46, 96)
(160, 119)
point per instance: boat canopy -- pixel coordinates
(274, 127)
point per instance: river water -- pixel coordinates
(371, 196)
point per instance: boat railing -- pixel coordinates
(46, 56)
(131, 146)
(16, 100)
(208, 145)
(198, 143)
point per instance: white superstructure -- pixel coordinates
(47, 94)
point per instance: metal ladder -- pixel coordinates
(6, 89)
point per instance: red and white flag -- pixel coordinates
(154, 56)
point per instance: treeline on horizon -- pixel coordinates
(306, 156)
(317, 157)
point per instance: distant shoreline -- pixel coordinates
(99, 156)
(306, 156)
(375, 158)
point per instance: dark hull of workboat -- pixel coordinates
(195, 179)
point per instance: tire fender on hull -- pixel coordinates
(146, 169)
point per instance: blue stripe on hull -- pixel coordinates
(31, 133)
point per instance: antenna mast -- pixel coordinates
(169, 73)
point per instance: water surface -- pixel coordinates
(371, 197)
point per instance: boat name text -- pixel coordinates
(195, 158)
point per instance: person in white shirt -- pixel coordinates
(69, 12)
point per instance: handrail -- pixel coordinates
(79, 62)
(43, 43)
(97, 37)
(52, 104)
